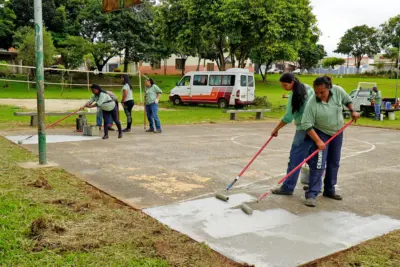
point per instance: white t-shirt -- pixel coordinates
(129, 92)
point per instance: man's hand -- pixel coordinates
(156, 101)
(274, 133)
(321, 145)
(355, 115)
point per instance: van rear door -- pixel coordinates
(250, 88)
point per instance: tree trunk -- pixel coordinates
(126, 61)
(198, 64)
(358, 64)
(165, 66)
(233, 60)
(261, 72)
(221, 55)
(183, 66)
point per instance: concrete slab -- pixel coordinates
(268, 237)
(193, 162)
(36, 165)
(50, 139)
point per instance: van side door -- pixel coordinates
(200, 90)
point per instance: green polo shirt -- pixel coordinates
(103, 101)
(378, 98)
(326, 117)
(298, 115)
(151, 94)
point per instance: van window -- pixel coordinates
(185, 81)
(250, 81)
(243, 80)
(228, 80)
(364, 93)
(216, 80)
(200, 79)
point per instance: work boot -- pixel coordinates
(310, 202)
(333, 196)
(281, 191)
(105, 137)
(158, 131)
(150, 131)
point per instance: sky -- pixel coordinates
(336, 16)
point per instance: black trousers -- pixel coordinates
(128, 106)
(108, 117)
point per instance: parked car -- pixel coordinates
(274, 71)
(233, 87)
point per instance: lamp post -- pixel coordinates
(40, 80)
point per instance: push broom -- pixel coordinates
(226, 198)
(249, 210)
(69, 115)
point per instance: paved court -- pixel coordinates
(173, 177)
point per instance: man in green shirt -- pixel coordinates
(322, 118)
(377, 96)
(152, 97)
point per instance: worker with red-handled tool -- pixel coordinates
(322, 118)
(294, 111)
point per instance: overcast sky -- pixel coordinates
(336, 16)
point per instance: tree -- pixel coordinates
(26, 46)
(95, 28)
(359, 41)
(332, 62)
(310, 53)
(133, 33)
(390, 38)
(73, 50)
(7, 26)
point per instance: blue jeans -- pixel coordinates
(377, 108)
(152, 115)
(330, 157)
(300, 150)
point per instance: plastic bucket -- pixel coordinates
(392, 116)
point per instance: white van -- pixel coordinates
(233, 87)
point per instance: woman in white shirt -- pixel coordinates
(127, 101)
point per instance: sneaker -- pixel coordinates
(333, 196)
(111, 128)
(105, 137)
(150, 131)
(158, 131)
(126, 130)
(120, 135)
(280, 191)
(310, 202)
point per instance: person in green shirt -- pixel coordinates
(377, 96)
(322, 118)
(108, 106)
(152, 97)
(300, 93)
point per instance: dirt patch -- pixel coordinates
(41, 183)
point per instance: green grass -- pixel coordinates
(191, 114)
(48, 217)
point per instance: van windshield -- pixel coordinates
(185, 81)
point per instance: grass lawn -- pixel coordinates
(48, 217)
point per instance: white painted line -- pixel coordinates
(233, 139)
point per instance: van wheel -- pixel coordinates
(222, 103)
(177, 100)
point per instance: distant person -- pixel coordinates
(297, 101)
(108, 106)
(127, 101)
(153, 93)
(322, 119)
(377, 97)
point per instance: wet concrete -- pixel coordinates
(273, 237)
(192, 162)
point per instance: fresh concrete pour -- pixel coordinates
(50, 139)
(273, 237)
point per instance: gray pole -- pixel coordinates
(40, 81)
(397, 78)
